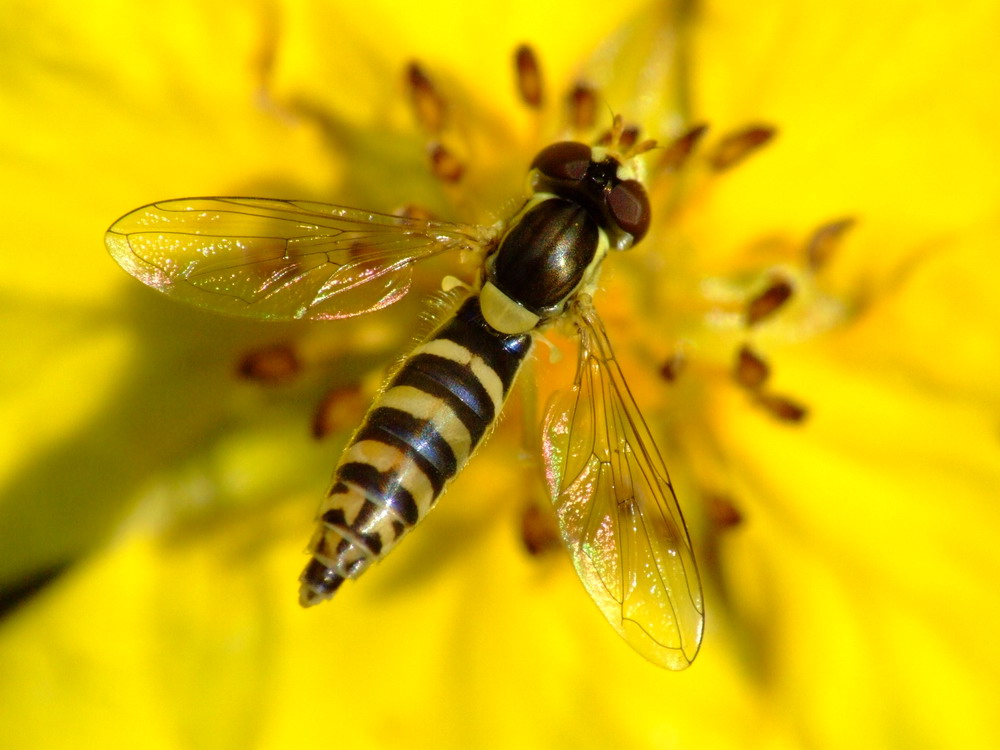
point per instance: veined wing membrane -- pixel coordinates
(617, 511)
(278, 259)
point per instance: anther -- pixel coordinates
(782, 407)
(428, 105)
(414, 212)
(339, 410)
(361, 251)
(271, 365)
(582, 102)
(825, 241)
(676, 154)
(736, 147)
(722, 511)
(671, 369)
(750, 370)
(769, 301)
(538, 531)
(529, 76)
(445, 165)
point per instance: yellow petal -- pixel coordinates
(859, 585)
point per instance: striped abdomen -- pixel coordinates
(417, 436)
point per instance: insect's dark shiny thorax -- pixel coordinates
(543, 257)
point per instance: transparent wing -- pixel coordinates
(278, 259)
(617, 511)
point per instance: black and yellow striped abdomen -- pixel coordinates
(417, 436)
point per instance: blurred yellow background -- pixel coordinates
(164, 503)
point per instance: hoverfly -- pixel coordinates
(615, 505)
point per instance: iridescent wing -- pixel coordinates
(617, 511)
(277, 259)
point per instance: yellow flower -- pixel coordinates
(159, 503)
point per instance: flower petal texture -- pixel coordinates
(155, 503)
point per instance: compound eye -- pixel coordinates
(629, 207)
(563, 161)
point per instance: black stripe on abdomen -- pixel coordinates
(415, 437)
(453, 383)
(384, 486)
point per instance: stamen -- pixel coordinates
(676, 154)
(736, 147)
(272, 365)
(340, 409)
(750, 371)
(782, 407)
(415, 212)
(825, 241)
(445, 165)
(529, 76)
(539, 533)
(722, 512)
(769, 301)
(671, 369)
(582, 102)
(360, 251)
(429, 106)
